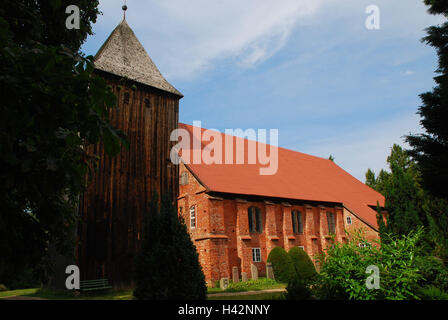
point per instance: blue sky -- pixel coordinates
(309, 68)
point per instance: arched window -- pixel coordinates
(349, 220)
(254, 215)
(331, 222)
(297, 223)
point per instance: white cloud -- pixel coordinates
(186, 36)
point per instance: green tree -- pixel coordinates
(438, 225)
(430, 149)
(403, 194)
(52, 107)
(282, 265)
(167, 267)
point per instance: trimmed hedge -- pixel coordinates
(282, 265)
(302, 263)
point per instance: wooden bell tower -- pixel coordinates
(113, 206)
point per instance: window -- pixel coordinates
(254, 215)
(256, 255)
(297, 224)
(302, 247)
(331, 222)
(184, 178)
(349, 220)
(192, 217)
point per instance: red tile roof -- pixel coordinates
(299, 176)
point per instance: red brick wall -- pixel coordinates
(357, 224)
(222, 235)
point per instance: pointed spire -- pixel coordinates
(123, 55)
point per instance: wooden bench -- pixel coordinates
(94, 285)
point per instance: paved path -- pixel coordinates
(245, 293)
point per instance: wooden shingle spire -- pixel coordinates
(123, 55)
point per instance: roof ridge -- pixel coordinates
(268, 144)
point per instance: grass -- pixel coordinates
(121, 295)
(20, 292)
(260, 296)
(65, 295)
(250, 285)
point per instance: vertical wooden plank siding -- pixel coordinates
(119, 193)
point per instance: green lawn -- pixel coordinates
(251, 285)
(260, 296)
(64, 295)
(21, 292)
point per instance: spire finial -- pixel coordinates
(124, 7)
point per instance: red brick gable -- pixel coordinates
(299, 176)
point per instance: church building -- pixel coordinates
(235, 216)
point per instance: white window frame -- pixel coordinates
(347, 219)
(256, 255)
(302, 247)
(192, 217)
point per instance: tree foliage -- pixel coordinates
(52, 107)
(403, 194)
(167, 267)
(430, 149)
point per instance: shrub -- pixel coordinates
(433, 271)
(282, 265)
(298, 289)
(343, 269)
(3, 287)
(302, 263)
(167, 266)
(432, 293)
